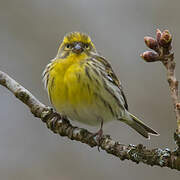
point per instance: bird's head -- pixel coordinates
(76, 43)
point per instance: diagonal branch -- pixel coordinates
(62, 126)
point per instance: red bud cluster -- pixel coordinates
(160, 45)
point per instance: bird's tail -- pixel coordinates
(140, 127)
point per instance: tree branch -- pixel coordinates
(62, 126)
(162, 52)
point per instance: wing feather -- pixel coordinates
(111, 76)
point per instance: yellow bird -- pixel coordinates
(82, 85)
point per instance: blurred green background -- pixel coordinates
(30, 33)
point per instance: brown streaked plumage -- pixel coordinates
(82, 85)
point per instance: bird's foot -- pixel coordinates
(98, 135)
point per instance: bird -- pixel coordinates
(82, 86)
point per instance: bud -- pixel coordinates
(151, 43)
(158, 35)
(150, 56)
(178, 106)
(165, 39)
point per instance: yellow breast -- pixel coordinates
(68, 83)
(76, 91)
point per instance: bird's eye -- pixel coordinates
(68, 46)
(86, 46)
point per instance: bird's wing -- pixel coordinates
(111, 76)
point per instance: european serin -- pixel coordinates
(82, 85)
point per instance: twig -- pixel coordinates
(62, 126)
(162, 52)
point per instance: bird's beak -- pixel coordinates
(78, 48)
